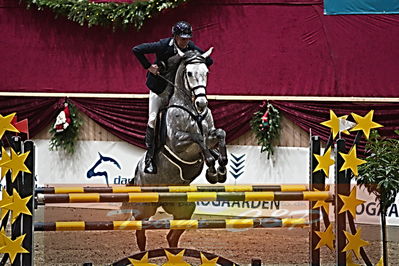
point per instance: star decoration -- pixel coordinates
(325, 162)
(206, 262)
(18, 205)
(6, 201)
(17, 164)
(350, 202)
(175, 259)
(5, 124)
(380, 262)
(12, 247)
(326, 238)
(4, 159)
(349, 261)
(142, 262)
(354, 242)
(333, 123)
(365, 123)
(322, 203)
(351, 161)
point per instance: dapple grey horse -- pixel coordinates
(191, 140)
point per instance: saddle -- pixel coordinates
(189, 170)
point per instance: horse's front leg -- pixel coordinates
(220, 136)
(184, 139)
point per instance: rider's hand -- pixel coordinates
(154, 69)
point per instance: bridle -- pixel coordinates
(198, 118)
(194, 60)
(197, 59)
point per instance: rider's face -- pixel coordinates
(181, 42)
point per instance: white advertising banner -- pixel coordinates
(369, 212)
(97, 162)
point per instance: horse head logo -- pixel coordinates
(102, 172)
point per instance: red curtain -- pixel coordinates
(127, 118)
(261, 48)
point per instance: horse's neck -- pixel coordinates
(180, 98)
(181, 95)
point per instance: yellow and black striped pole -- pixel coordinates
(198, 188)
(171, 224)
(183, 197)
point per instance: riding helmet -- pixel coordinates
(182, 29)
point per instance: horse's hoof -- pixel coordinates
(211, 177)
(222, 174)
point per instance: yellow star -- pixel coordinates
(13, 247)
(206, 262)
(176, 260)
(17, 164)
(333, 123)
(142, 262)
(354, 242)
(323, 203)
(350, 202)
(326, 238)
(5, 124)
(6, 201)
(18, 205)
(349, 261)
(4, 159)
(324, 162)
(380, 262)
(351, 161)
(365, 123)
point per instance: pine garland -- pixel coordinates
(66, 140)
(106, 14)
(266, 126)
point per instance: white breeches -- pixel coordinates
(156, 102)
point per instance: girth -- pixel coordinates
(189, 170)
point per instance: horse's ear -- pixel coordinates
(207, 53)
(181, 54)
(100, 155)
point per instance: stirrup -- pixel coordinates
(150, 168)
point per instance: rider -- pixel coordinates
(159, 96)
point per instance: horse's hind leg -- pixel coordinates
(143, 213)
(141, 239)
(173, 237)
(180, 211)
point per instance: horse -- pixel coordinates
(190, 141)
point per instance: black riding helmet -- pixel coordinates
(182, 29)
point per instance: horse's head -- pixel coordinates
(193, 75)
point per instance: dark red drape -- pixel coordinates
(309, 115)
(127, 118)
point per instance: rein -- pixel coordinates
(197, 118)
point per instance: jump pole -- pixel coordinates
(172, 224)
(184, 197)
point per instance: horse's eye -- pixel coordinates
(190, 74)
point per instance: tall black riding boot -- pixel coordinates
(150, 167)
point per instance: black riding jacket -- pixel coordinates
(163, 49)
